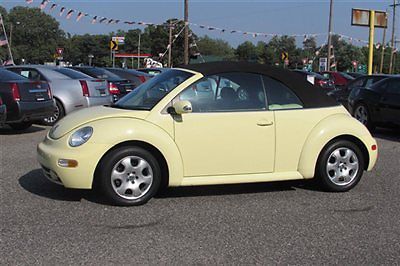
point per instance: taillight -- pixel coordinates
(142, 79)
(15, 91)
(113, 88)
(49, 91)
(85, 88)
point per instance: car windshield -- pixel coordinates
(147, 95)
(99, 73)
(346, 76)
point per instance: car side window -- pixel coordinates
(369, 82)
(31, 74)
(393, 87)
(279, 96)
(356, 83)
(226, 92)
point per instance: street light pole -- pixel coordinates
(393, 35)
(186, 41)
(330, 34)
(170, 45)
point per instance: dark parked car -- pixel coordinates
(319, 80)
(134, 76)
(26, 101)
(3, 112)
(339, 79)
(341, 94)
(117, 86)
(354, 74)
(377, 105)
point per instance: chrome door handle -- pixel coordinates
(265, 123)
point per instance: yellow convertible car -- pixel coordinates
(213, 123)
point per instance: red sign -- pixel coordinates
(355, 63)
(60, 51)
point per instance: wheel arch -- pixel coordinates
(146, 146)
(354, 140)
(332, 128)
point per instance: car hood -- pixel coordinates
(87, 115)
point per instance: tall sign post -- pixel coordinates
(372, 19)
(371, 41)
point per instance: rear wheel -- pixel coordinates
(340, 166)
(58, 114)
(129, 176)
(21, 125)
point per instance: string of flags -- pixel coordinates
(104, 20)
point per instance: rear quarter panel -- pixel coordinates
(293, 128)
(69, 93)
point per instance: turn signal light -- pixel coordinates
(67, 163)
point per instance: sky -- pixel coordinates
(267, 16)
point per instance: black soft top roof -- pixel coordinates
(311, 96)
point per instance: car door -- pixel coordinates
(390, 102)
(230, 131)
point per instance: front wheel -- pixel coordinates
(340, 166)
(129, 176)
(362, 114)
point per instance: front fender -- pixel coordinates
(111, 132)
(327, 129)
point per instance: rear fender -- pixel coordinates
(326, 130)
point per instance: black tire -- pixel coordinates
(106, 166)
(367, 121)
(21, 125)
(322, 173)
(59, 113)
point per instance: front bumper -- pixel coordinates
(81, 177)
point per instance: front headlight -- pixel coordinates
(80, 136)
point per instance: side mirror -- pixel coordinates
(182, 107)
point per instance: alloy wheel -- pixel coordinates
(342, 166)
(361, 114)
(131, 177)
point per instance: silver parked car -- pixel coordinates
(72, 90)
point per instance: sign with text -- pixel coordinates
(360, 17)
(119, 40)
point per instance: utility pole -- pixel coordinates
(330, 34)
(393, 36)
(138, 59)
(186, 41)
(170, 45)
(383, 51)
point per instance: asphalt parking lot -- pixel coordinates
(269, 223)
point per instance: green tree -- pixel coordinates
(36, 35)
(247, 51)
(215, 47)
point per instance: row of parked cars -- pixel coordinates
(31, 93)
(374, 100)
